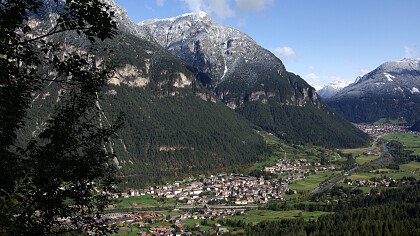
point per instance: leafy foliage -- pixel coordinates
(65, 171)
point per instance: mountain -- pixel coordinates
(252, 81)
(177, 116)
(391, 91)
(173, 125)
(332, 88)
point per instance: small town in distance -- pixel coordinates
(204, 204)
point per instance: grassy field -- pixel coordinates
(310, 182)
(360, 176)
(131, 232)
(143, 202)
(411, 169)
(357, 151)
(361, 158)
(256, 216)
(410, 141)
(365, 158)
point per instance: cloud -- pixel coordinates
(160, 2)
(286, 53)
(253, 5)
(195, 5)
(312, 78)
(224, 8)
(409, 52)
(221, 8)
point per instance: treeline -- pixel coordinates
(344, 198)
(393, 219)
(400, 154)
(383, 212)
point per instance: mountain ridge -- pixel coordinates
(389, 91)
(247, 77)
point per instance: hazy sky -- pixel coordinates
(321, 40)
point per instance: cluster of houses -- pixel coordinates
(146, 220)
(215, 197)
(296, 169)
(139, 218)
(222, 188)
(374, 182)
(379, 130)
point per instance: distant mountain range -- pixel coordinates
(332, 89)
(194, 93)
(391, 91)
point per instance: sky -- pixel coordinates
(320, 40)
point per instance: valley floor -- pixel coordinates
(294, 182)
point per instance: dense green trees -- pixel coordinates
(397, 219)
(393, 211)
(178, 136)
(304, 125)
(64, 171)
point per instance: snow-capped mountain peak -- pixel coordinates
(390, 91)
(213, 48)
(404, 64)
(333, 88)
(200, 16)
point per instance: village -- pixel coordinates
(235, 189)
(373, 182)
(212, 198)
(296, 169)
(382, 129)
(223, 189)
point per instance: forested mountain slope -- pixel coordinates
(251, 80)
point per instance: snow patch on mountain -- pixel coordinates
(414, 90)
(389, 77)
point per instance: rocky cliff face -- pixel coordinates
(390, 91)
